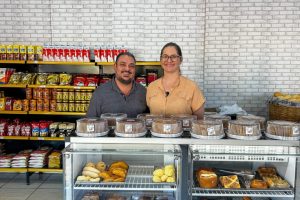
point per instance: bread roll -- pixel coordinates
(258, 184)
(101, 166)
(92, 169)
(90, 174)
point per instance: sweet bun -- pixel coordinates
(92, 169)
(90, 164)
(90, 174)
(119, 172)
(258, 184)
(83, 178)
(101, 166)
(119, 164)
(207, 178)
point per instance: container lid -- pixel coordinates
(113, 115)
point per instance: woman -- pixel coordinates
(173, 93)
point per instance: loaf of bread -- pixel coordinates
(166, 126)
(258, 184)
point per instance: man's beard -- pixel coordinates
(125, 82)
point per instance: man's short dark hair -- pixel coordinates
(127, 53)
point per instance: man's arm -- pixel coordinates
(93, 106)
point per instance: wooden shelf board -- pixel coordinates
(63, 87)
(48, 138)
(61, 63)
(20, 170)
(14, 137)
(56, 113)
(13, 61)
(45, 170)
(13, 85)
(138, 63)
(11, 112)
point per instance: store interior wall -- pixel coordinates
(237, 51)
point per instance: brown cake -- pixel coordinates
(223, 118)
(185, 119)
(259, 119)
(91, 125)
(243, 128)
(207, 127)
(130, 126)
(148, 118)
(112, 118)
(166, 126)
(283, 128)
(207, 178)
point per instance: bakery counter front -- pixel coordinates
(121, 171)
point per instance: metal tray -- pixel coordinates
(207, 137)
(131, 135)
(239, 137)
(92, 134)
(277, 137)
(166, 135)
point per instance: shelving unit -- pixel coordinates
(56, 113)
(138, 63)
(13, 61)
(13, 85)
(63, 87)
(11, 112)
(60, 63)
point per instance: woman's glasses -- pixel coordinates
(172, 57)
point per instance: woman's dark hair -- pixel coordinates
(127, 53)
(172, 44)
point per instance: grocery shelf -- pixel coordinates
(13, 137)
(138, 63)
(61, 63)
(63, 87)
(11, 112)
(139, 178)
(44, 170)
(48, 138)
(13, 85)
(56, 113)
(12, 61)
(243, 192)
(19, 170)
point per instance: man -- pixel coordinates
(121, 94)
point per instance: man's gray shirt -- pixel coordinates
(109, 99)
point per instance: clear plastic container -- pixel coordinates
(148, 118)
(259, 119)
(244, 130)
(130, 128)
(112, 118)
(207, 128)
(186, 120)
(91, 127)
(141, 197)
(224, 118)
(166, 127)
(283, 130)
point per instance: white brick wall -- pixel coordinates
(238, 51)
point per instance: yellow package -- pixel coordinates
(17, 105)
(2, 103)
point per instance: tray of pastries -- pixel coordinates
(186, 120)
(91, 127)
(130, 128)
(148, 118)
(166, 127)
(259, 119)
(283, 130)
(244, 130)
(224, 118)
(207, 129)
(112, 118)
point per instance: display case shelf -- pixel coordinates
(48, 138)
(138, 63)
(44, 170)
(63, 87)
(56, 113)
(13, 85)
(13, 170)
(11, 112)
(243, 192)
(13, 137)
(61, 63)
(12, 61)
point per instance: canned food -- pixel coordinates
(54, 94)
(71, 95)
(83, 95)
(53, 105)
(71, 106)
(33, 104)
(77, 95)
(65, 106)
(25, 104)
(77, 106)
(46, 105)
(65, 95)
(59, 106)
(59, 95)
(39, 105)
(46, 93)
(86, 106)
(28, 93)
(34, 93)
(82, 107)
(39, 93)
(89, 95)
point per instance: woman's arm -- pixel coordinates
(199, 112)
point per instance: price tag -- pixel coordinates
(249, 131)
(90, 128)
(167, 128)
(295, 130)
(41, 138)
(211, 131)
(185, 123)
(128, 128)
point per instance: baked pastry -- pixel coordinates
(100, 166)
(91, 196)
(207, 178)
(246, 198)
(148, 118)
(230, 181)
(267, 171)
(112, 118)
(166, 126)
(283, 128)
(119, 172)
(207, 127)
(259, 119)
(119, 164)
(186, 120)
(89, 126)
(258, 184)
(130, 126)
(224, 118)
(115, 197)
(243, 128)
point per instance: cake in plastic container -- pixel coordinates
(148, 118)
(207, 129)
(91, 127)
(166, 127)
(283, 130)
(259, 119)
(186, 120)
(244, 130)
(112, 118)
(130, 128)
(223, 118)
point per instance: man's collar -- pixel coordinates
(116, 88)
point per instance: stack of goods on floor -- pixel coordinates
(38, 158)
(5, 160)
(21, 159)
(54, 159)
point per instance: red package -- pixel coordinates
(25, 129)
(10, 129)
(17, 131)
(8, 103)
(3, 128)
(80, 80)
(35, 129)
(92, 81)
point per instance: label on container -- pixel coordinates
(296, 130)
(211, 131)
(128, 128)
(185, 123)
(167, 128)
(90, 128)
(249, 131)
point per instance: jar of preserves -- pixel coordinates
(25, 104)
(28, 93)
(77, 106)
(71, 106)
(59, 95)
(54, 94)
(46, 105)
(65, 95)
(65, 106)
(39, 93)
(53, 105)
(33, 105)
(59, 106)
(39, 105)
(89, 94)
(46, 93)
(77, 95)
(82, 95)
(71, 95)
